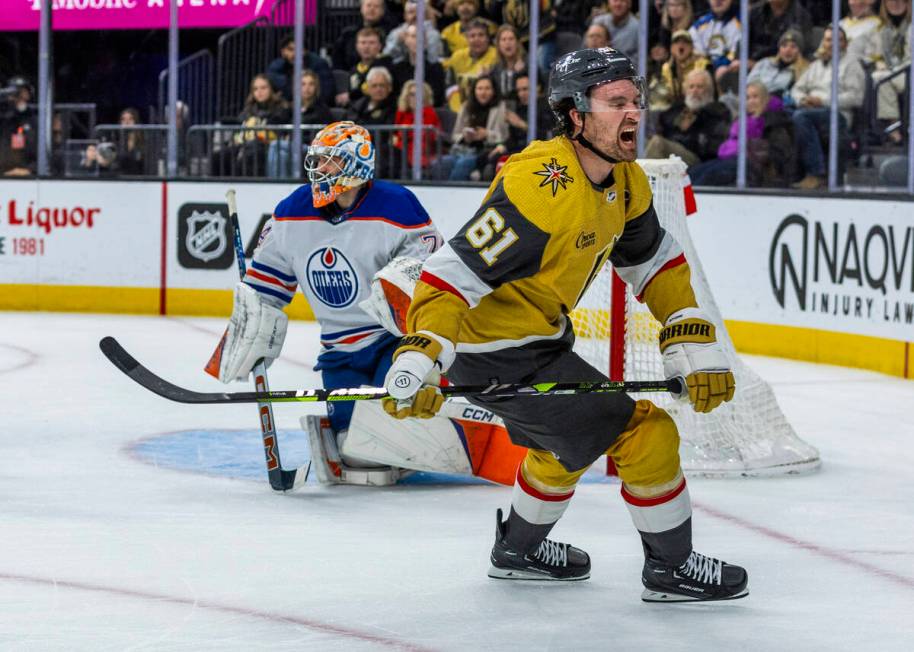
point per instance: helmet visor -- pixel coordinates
(618, 96)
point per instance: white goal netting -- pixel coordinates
(749, 436)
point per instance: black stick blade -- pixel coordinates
(142, 376)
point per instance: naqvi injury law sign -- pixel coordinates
(24, 15)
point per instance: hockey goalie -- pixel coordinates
(335, 239)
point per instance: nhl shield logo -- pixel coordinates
(205, 239)
(332, 278)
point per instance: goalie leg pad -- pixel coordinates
(462, 439)
(328, 465)
(256, 330)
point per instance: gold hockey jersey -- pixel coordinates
(512, 274)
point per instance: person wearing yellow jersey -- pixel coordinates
(466, 64)
(492, 306)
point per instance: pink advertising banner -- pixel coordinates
(23, 15)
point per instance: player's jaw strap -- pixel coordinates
(589, 145)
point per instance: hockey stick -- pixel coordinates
(280, 479)
(128, 364)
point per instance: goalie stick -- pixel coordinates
(280, 478)
(140, 374)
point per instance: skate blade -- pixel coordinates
(665, 596)
(517, 574)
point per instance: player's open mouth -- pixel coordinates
(628, 136)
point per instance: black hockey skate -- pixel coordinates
(700, 578)
(550, 561)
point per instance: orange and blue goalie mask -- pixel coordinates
(340, 158)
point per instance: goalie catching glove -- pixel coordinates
(691, 351)
(413, 378)
(255, 330)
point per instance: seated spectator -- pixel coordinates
(622, 26)
(395, 47)
(573, 16)
(368, 47)
(683, 60)
(313, 112)
(769, 145)
(511, 61)
(694, 128)
(373, 14)
(889, 48)
(481, 126)
(406, 115)
(675, 16)
(18, 130)
(379, 105)
(769, 21)
(246, 155)
(716, 35)
(467, 64)
(861, 20)
(281, 69)
(455, 34)
(596, 36)
(812, 95)
(517, 14)
(405, 69)
(778, 73)
(130, 146)
(517, 119)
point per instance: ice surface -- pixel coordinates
(105, 545)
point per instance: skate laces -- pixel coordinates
(552, 553)
(702, 568)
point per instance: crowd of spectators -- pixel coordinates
(478, 86)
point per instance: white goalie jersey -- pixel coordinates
(333, 259)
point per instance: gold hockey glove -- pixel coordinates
(688, 343)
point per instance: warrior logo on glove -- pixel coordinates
(688, 343)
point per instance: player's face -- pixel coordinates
(612, 125)
(323, 165)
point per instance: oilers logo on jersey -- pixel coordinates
(332, 278)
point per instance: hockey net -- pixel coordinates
(748, 436)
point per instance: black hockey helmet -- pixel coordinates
(574, 74)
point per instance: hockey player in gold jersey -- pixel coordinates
(492, 306)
